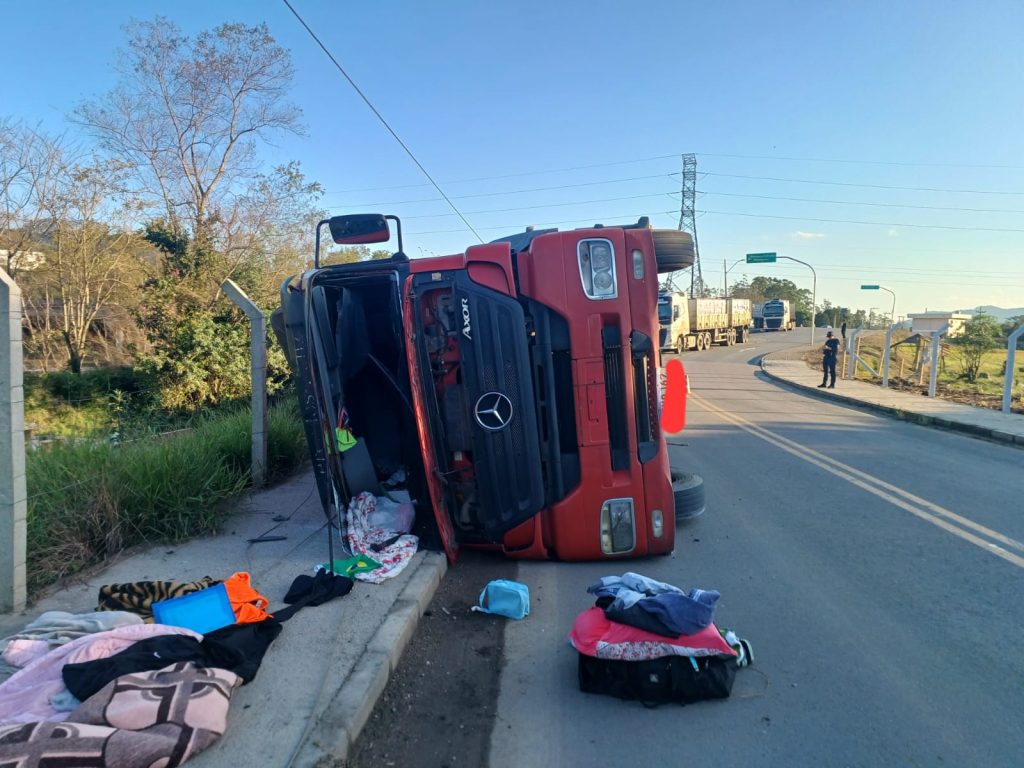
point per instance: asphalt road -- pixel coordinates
(876, 567)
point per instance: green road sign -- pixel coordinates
(761, 258)
(869, 287)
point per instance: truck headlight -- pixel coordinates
(597, 269)
(618, 526)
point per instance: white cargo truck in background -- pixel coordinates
(687, 323)
(778, 315)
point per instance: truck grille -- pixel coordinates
(615, 396)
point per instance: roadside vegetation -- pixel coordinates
(90, 499)
(136, 404)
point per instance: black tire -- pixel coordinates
(688, 490)
(673, 250)
(680, 345)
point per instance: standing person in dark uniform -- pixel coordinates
(842, 330)
(829, 354)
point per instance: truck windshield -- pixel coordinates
(664, 312)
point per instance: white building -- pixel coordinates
(927, 322)
(25, 260)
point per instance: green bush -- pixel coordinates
(91, 404)
(89, 500)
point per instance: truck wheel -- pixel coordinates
(732, 337)
(707, 341)
(741, 336)
(673, 250)
(688, 490)
(680, 345)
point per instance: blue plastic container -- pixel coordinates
(202, 611)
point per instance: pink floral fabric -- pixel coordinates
(393, 550)
(594, 635)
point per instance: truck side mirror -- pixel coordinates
(359, 228)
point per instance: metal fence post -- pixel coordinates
(933, 374)
(258, 347)
(13, 504)
(1011, 353)
(851, 346)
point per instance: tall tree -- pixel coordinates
(90, 255)
(188, 116)
(29, 169)
(762, 288)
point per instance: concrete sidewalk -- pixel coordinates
(321, 678)
(790, 367)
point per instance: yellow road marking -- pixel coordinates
(893, 494)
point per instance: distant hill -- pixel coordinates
(998, 313)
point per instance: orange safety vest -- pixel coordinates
(248, 604)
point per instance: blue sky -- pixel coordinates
(497, 100)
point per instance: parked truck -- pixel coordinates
(757, 316)
(778, 315)
(687, 323)
(513, 386)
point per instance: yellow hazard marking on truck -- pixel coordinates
(899, 497)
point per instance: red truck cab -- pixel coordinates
(514, 385)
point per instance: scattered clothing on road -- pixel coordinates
(653, 605)
(160, 717)
(393, 549)
(139, 596)
(56, 628)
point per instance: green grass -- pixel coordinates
(987, 391)
(91, 404)
(89, 500)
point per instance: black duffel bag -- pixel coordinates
(656, 681)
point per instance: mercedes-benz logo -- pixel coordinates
(493, 411)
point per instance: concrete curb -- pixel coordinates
(344, 717)
(921, 419)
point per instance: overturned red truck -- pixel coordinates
(513, 388)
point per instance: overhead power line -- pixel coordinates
(901, 163)
(519, 174)
(856, 202)
(872, 223)
(617, 217)
(862, 186)
(381, 118)
(567, 169)
(545, 205)
(515, 191)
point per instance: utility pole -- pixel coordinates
(688, 219)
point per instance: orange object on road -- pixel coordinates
(673, 413)
(248, 604)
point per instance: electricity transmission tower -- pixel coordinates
(688, 220)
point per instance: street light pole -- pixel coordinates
(725, 277)
(892, 313)
(814, 290)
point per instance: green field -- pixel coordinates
(986, 392)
